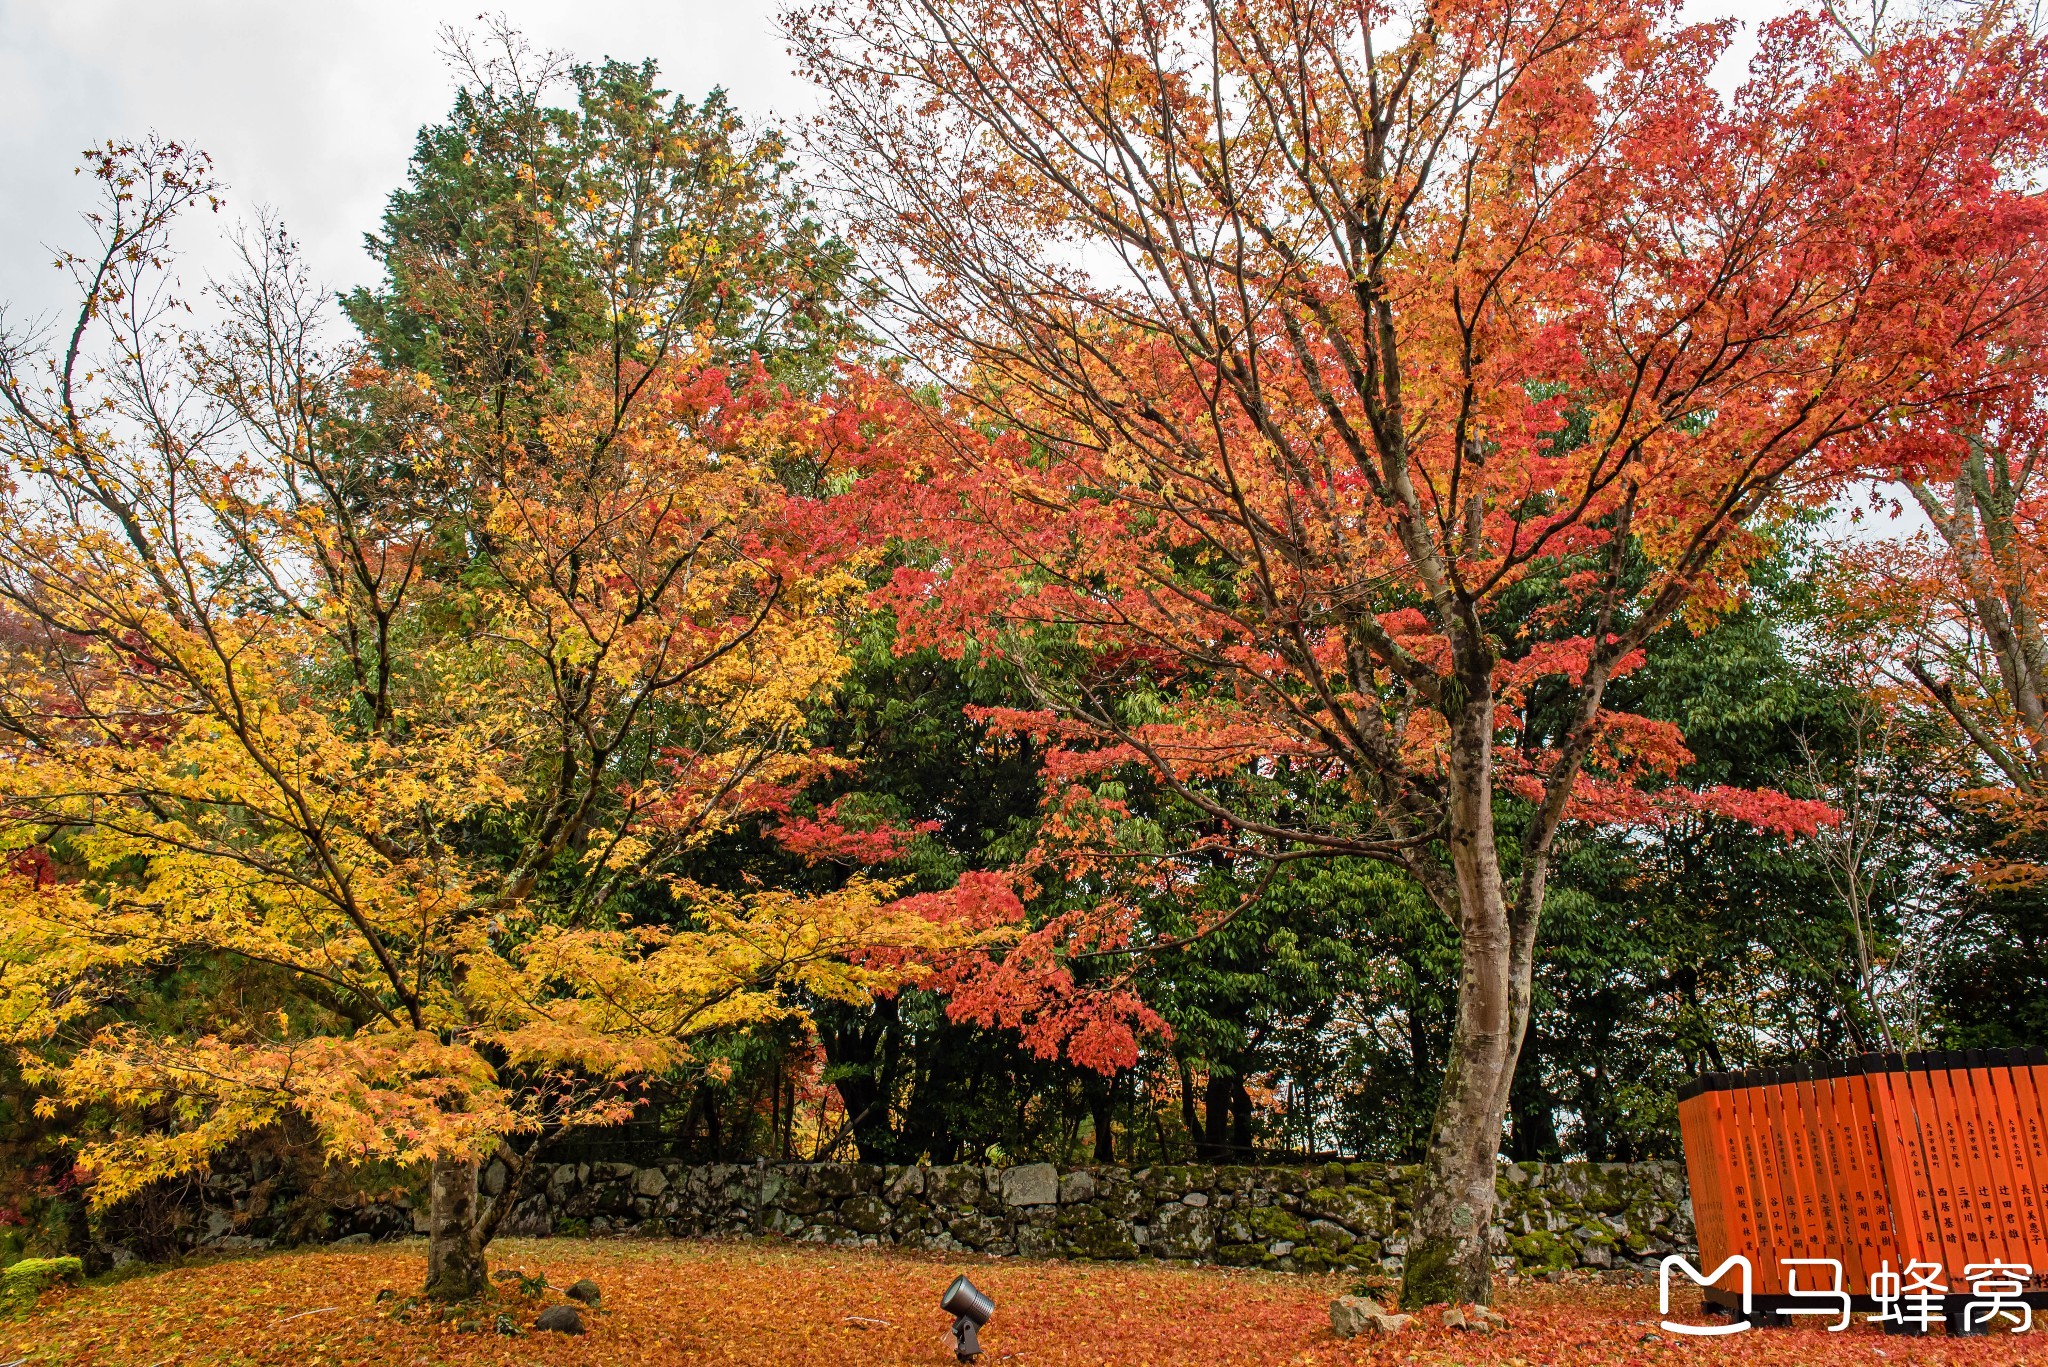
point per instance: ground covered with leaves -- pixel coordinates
(747, 1303)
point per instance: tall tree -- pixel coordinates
(629, 221)
(1286, 342)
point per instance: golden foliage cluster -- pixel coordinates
(332, 671)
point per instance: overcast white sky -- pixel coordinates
(309, 106)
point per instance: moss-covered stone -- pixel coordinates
(838, 1180)
(1271, 1222)
(954, 1186)
(1284, 1182)
(865, 1214)
(1038, 1240)
(1171, 1183)
(1100, 1238)
(1243, 1255)
(1358, 1208)
(1542, 1251)
(1230, 1181)
(977, 1231)
(1330, 1237)
(22, 1282)
(1182, 1232)
(1120, 1198)
(1604, 1197)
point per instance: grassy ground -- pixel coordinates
(760, 1303)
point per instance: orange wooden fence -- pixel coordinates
(1877, 1162)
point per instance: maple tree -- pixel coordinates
(377, 680)
(1352, 391)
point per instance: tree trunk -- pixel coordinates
(1188, 1118)
(1102, 1116)
(1216, 1116)
(455, 1255)
(864, 1054)
(1450, 1250)
(78, 1240)
(714, 1140)
(1240, 1120)
(1450, 1242)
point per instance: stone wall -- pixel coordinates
(1338, 1215)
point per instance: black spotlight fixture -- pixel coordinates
(970, 1310)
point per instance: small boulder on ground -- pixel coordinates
(27, 1279)
(560, 1319)
(1350, 1315)
(1389, 1324)
(585, 1291)
(1474, 1319)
